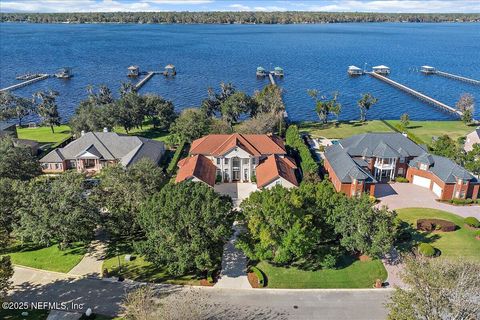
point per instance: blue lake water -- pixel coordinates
(313, 57)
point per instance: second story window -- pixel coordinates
(225, 161)
(218, 161)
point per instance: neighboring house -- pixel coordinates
(238, 158)
(8, 129)
(471, 139)
(95, 150)
(356, 164)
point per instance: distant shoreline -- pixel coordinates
(244, 17)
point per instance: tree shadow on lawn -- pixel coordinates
(75, 248)
(409, 237)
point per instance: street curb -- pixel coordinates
(47, 271)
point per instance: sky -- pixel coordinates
(400, 6)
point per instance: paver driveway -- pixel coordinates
(237, 191)
(407, 195)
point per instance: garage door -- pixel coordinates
(421, 181)
(437, 190)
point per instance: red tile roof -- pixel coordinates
(273, 168)
(255, 144)
(197, 166)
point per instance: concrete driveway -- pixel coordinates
(407, 195)
(237, 191)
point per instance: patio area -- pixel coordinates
(237, 191)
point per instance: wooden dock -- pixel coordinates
(25, 83)
(144, 80)
(272, 80)
(457, 77)
(417, 94)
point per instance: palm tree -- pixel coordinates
(365, 103)
(324, 106)
(47, 109)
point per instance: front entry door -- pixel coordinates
(236, 175)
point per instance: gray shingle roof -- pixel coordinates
(381, 145)
(344, 166)
(109, 146)
(444, 168)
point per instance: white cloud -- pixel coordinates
(242, 7)
(400, 6)
(91, 5)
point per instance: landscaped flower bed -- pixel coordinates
(435, 225)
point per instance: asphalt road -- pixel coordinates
(105, 297)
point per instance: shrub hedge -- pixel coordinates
(426, 250)
(401, 179)
(462, 201)
(293, 140)
(260, 276)
(472, 222)
(435, 224)
(176, 157)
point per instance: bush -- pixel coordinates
(329, 261)
(176, 157)
(461, 201)
(401, 179)
(218, 178)
(293, 140)
(426, 250)
(210, 276)
(435, 224)
(254, 178)
(260, 276)
(472, 222)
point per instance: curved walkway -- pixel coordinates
(91, 264)
(234, 264)
(407, 195)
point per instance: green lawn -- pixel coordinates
(140, 270)
(355, 274)
(44, 135)
(17, 314)
(460, 243)
(425, 130)
(50, 258)
(148, 131)
(344, 129)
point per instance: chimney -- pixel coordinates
(105, 129)
(82, 133)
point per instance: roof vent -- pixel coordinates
(82, 133)
(105, 129)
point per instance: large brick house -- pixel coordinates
(238, 158)
(356, 164)
(95, 150)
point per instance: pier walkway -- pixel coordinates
(272, 80)
(140, 84)
(416, 94)
(457, 77)
(25, 83)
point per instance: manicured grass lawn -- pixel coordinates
(17, 314)
(140, 270)
(425, 130)
(148, 131)
(50, 258)
(44, 135)
(355, 274)
(460, 243)
(345, 129)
